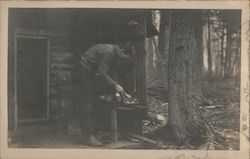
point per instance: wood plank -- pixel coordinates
(124, 144)
(148, 141)
(145, 139)
(39, 32)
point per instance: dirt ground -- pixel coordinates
(221, 106)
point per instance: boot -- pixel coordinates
(93, 141)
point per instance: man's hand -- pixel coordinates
(119, 89)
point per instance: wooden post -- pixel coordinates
(140, 67)
(15, 84)
(140, 71)
(114, 129)
(11, 74)
(48, 80)
(140, 75)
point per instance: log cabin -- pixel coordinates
(42, 46)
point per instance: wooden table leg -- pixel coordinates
(114, 130)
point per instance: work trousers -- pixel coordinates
(84, 82)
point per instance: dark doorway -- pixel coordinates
(32, 78)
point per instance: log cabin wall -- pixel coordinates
(61, 65)
(60, 62)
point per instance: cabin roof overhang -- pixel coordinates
(102, 24)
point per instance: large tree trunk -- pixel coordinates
(185, 60)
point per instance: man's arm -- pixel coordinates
(105, 61)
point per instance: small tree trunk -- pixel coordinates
(149, 61)
(185, 58)
(228, 59)
(164, 44)
(217, 58)
(237, 62)
(222, 52)
(209, 56)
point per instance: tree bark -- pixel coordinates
(164, 38)
(185, 59)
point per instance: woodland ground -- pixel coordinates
(221, 106)
(222, 109)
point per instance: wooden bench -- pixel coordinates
(115, 108)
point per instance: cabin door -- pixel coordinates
(31, 82)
